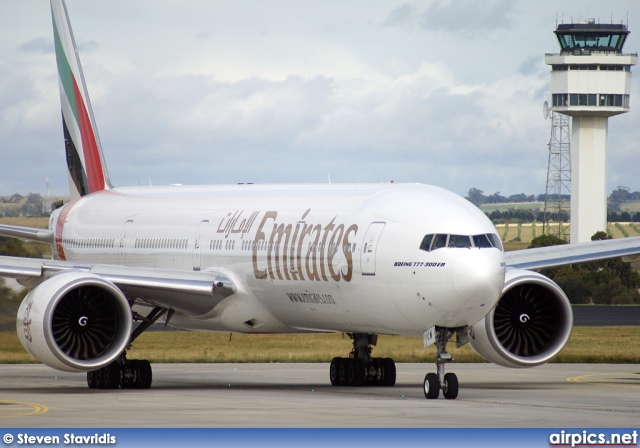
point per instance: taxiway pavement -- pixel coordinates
(300, 395)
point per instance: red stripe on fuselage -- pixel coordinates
(92, 162)
(60, 227)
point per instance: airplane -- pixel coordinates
(361, 259)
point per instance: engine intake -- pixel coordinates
(75, 321)
(530, 324)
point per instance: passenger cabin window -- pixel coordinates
(438, 241)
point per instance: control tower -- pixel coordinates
(590, 82)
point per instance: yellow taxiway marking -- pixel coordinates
(20, 409)
(626, 380)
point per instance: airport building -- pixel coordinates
(590, 82)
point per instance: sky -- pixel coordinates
(442, 92)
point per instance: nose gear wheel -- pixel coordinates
(448, 383)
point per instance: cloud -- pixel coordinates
(360, 94)
(467, 15)
(458, 17)
(40, 45)
(87, 46)
(400, 15)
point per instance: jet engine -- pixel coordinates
(530, 324)
(75, 321)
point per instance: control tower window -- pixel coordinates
(580, 38)
(615, 68)
(573, 99)
(560, 99)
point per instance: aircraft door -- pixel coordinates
(369, 247)
(197, 245)
(122, 246)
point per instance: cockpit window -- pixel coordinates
(432, 242)
(439, 241)
(481, 241)
(495, 240)
(459, 241)
(426, 242)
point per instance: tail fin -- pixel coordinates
(87, 170)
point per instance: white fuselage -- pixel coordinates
(303, 257)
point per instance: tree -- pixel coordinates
(546, 240)
(476, 197)
(619, 197)
(609, 282)
(12, 247)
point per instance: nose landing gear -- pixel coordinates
(448, 382)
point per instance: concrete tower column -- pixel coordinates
(588, 177)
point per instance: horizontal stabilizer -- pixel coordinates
(27, 233)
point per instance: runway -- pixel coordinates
(300, 395)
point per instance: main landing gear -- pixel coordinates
(128, 373)
(360, 369)
(434, 382)
(124, 373)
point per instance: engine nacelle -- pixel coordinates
(75, 321)
(530, 324)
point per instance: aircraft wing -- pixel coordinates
(545, 257)
(27, 233)
(192, 292)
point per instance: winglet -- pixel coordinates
(87, 170)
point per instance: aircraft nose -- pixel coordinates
(478, 275)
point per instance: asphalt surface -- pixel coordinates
(299, 395)
(606, 315)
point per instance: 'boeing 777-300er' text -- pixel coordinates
(365, 260)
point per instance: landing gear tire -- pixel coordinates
(92, 380)
(145, 374)
(388, 372)
(431, 386)
(360, 369)
(334, 372)
(132, 374)
(137, 374)
(356, 372)
(105, 378)
(111, 376)
(342, 372)
(450, 389)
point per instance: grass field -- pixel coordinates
(40, 222)
(488, 208)
(509, 232)
(630, 207)
(587, 344)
